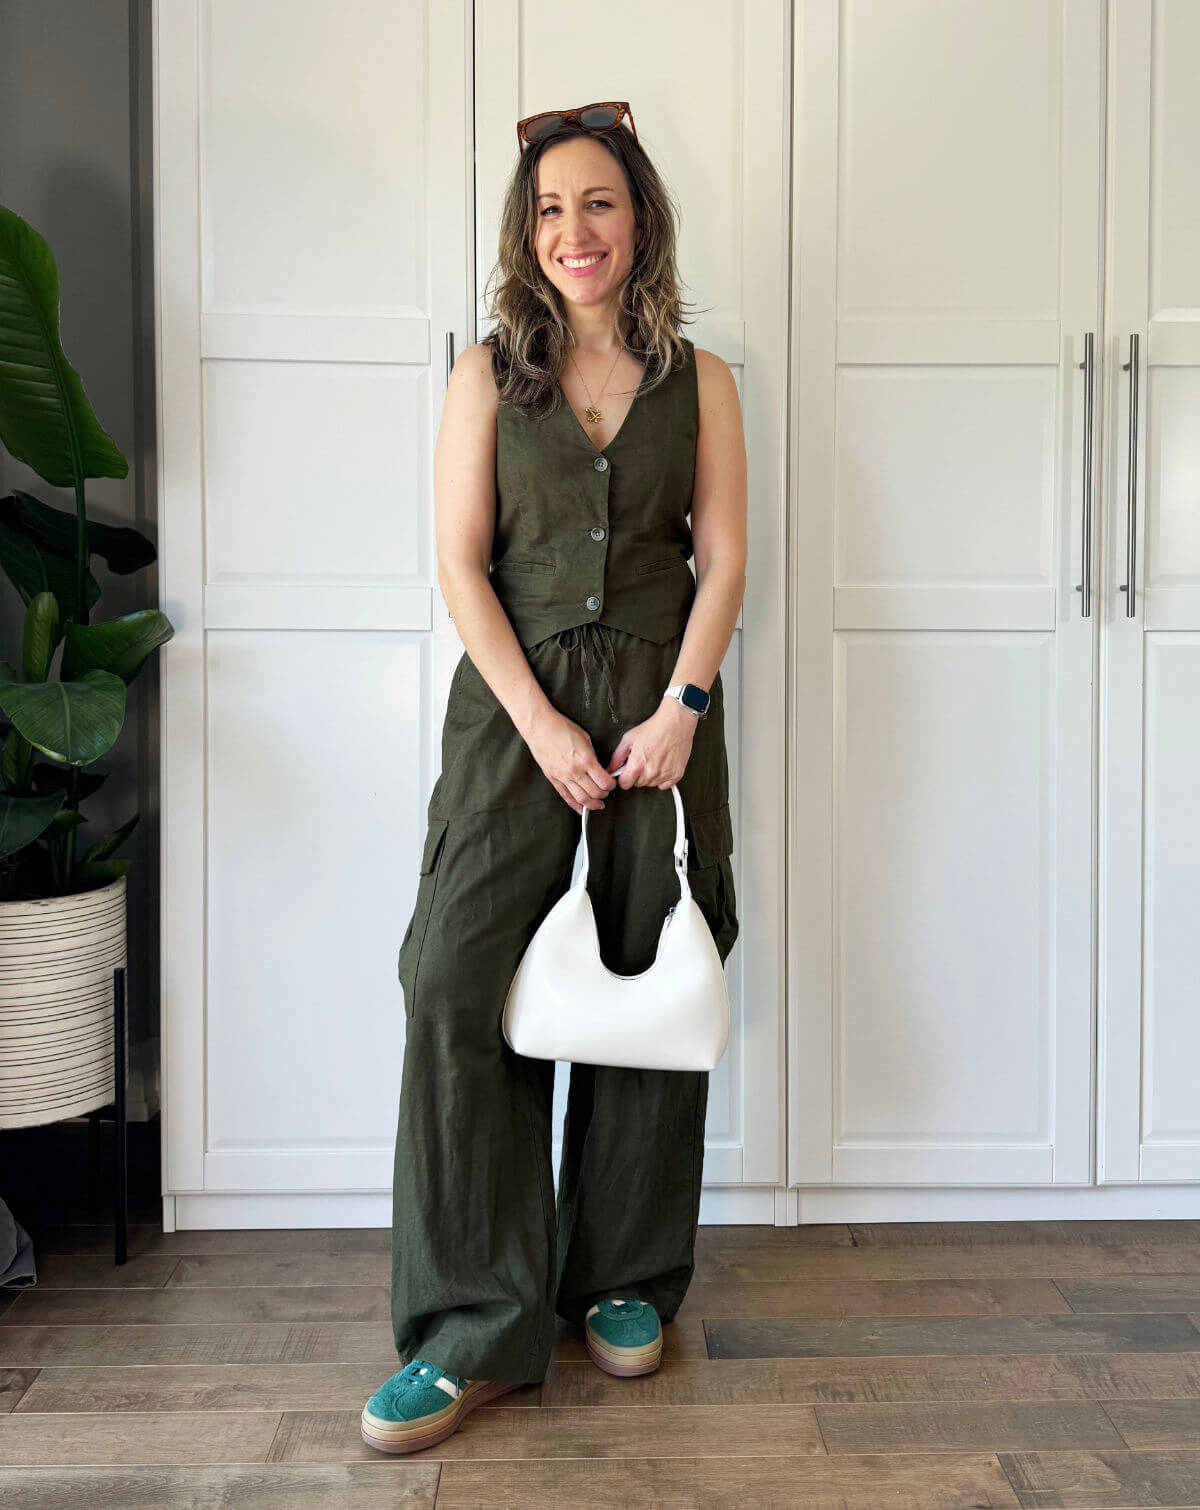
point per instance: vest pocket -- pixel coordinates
(662, 564)
(414, 939)
(532, 566)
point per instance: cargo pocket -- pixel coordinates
(414, 938)
(710, 874)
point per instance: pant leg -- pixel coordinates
(633, 1145)
(473, 1230)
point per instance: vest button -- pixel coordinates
(601, 464)
(597, 533)
(593, 602)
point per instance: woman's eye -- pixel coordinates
(550, 207)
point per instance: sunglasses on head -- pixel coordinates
(606, 116)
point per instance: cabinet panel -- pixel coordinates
(1150, 732)
(941, 918)
(312, 248)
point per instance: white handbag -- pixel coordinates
(565, 1003)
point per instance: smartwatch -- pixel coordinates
(692, 697)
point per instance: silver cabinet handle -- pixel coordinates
(1088, 365)
(1127, 587)
(449, 355)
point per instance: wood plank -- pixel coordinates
(266, 1343)
(882, 1297)
(801, 1381)
(1157, 1425)
(502, 1436)
(99, 1272)
(180, 1304)
(966, 1334)
(30, 1440)
(1103, 1480)
(1094, 1231)
(815, 1234)
(916, 1481)
(948, 1426)
(1148, 1292)
(790, 1265)
(317, 1486)
(147, 1238)
(177, 1306)
(748, 1264)
(345, 1342)
(212, 1387)
(14, 1384)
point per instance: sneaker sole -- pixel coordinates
(412, 1436)
(625, 1362)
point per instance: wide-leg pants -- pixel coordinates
(482, 1256)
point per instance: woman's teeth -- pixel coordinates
(582, 264)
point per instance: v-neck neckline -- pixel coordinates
(595, 449)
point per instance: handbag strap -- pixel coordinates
(681, 843)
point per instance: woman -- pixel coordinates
(573, 444)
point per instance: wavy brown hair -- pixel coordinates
(531, 337)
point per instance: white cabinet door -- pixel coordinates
(947, 206)
(1150, 709)
(311, 220)
(709, 84)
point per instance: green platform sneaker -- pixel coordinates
(624, 1337)
(421, 1405)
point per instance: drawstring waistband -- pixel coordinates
(596, 655)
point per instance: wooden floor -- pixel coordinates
(975, 1364)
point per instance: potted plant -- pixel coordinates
(62, 914)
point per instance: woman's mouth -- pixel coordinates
(582, 267)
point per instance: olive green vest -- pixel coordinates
(587, 536)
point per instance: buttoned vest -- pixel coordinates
(590, 536)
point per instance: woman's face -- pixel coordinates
(584, 209)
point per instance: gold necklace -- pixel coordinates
(593, 413)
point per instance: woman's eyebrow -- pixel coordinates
(599, 189)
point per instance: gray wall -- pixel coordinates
(75, 161)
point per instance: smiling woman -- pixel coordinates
(568, 462)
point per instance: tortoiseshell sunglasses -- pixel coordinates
(606, 116)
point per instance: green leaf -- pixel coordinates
(74, 722)
(33, 568)
(41, 636)
(53, 778)
(45, 418)
(14, 759)
(105, 847)
(64, 822)
(120, 646)
(102, 870)
(23, 819)
(124, 549)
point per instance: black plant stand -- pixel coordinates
(120, 1144)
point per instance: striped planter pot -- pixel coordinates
(57, 957)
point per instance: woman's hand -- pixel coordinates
(568, 760)
(656, 752)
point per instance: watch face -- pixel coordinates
(694, 698)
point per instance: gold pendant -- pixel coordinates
(593, 413)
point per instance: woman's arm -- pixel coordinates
(718, 525)
(464, 486)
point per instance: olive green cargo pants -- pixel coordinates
(482, 1258)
